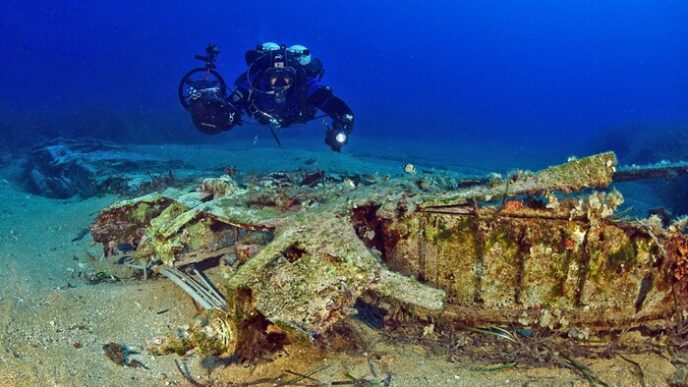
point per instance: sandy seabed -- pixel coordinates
(53, 326)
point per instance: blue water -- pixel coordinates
(472, 86)
(577, 75)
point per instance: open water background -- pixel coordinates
(425, 79)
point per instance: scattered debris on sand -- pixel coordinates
(119, 354)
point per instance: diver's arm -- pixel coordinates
(342, 117)
(239, 98)
(333, 106)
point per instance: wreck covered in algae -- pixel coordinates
(300, 250)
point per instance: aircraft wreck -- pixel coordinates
(299, 250)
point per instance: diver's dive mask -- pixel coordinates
(279, 80)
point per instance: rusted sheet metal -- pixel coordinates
(539, 267)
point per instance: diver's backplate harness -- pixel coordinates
(277, 66)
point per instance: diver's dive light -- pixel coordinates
(340, 137)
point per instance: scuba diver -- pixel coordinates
(282, 86)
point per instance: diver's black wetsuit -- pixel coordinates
(298, 102)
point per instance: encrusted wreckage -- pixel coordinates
(64, 168)
(538, 249)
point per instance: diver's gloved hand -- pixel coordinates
(333, 137)
(338, 135)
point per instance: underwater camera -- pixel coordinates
(202, 81)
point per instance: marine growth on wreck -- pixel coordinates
(300, 252)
